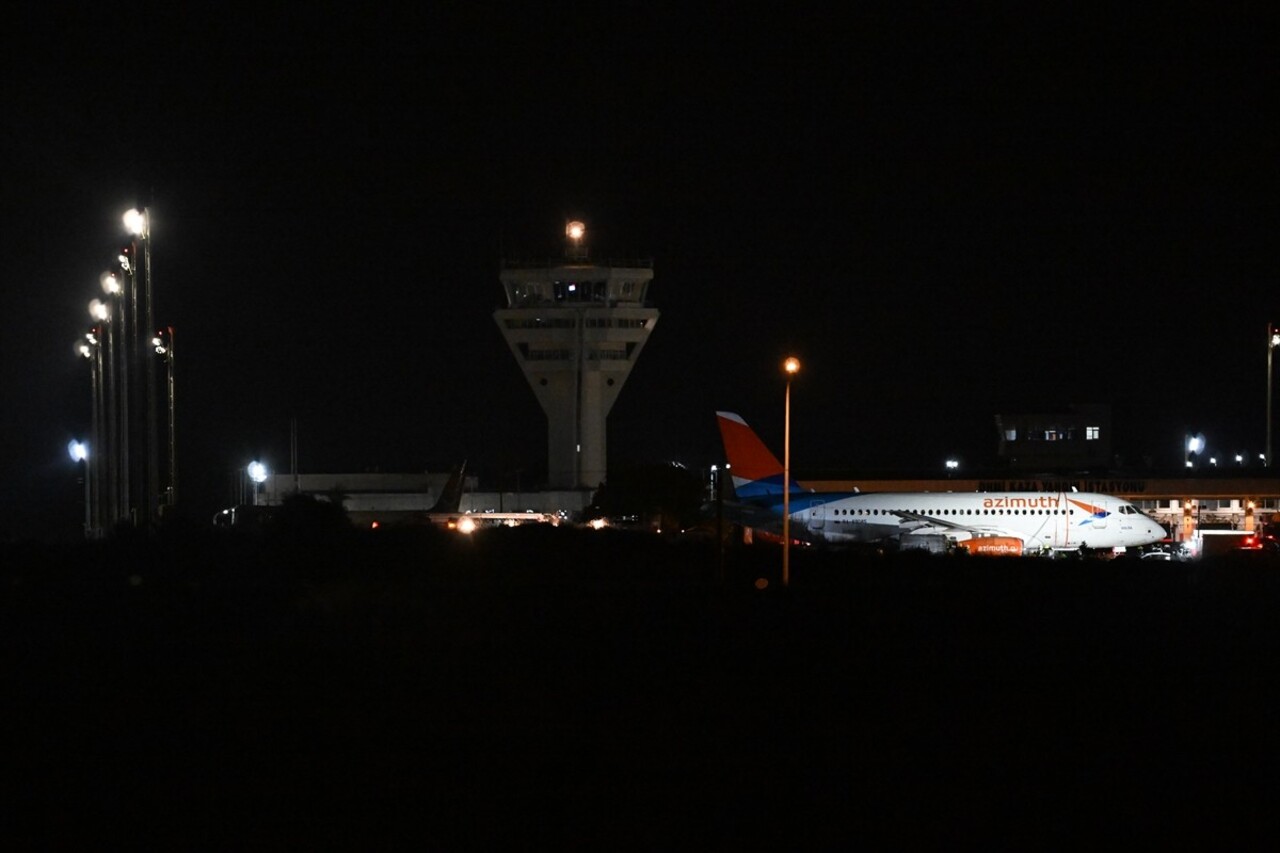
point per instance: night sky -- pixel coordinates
(943, 217)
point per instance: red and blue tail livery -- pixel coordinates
(756, 472)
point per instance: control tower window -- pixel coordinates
(579, 291)
(569, 291)
(524, 294)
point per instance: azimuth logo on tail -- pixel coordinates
(1095, 512)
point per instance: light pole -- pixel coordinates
(258, 474)
(717, 495)
(164, 347)
(791, 367)
(120, 352)
(1193, 445)
(90, 348)
(138, 224)
(1273, 340)
(109, 466)
(80, 453)
(125, 466)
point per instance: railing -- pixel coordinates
(551, 263)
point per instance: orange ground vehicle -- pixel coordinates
(992, 546)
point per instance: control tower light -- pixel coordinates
(575, 231)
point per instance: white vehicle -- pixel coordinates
(470, 522)
(1216, 543)
(1043, 521)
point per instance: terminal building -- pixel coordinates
(1076, 438)
(1070, 448)
(391, 498)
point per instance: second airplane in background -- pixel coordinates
(1041, 521)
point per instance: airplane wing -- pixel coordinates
(917, 521)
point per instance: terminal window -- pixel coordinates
(1092, 433)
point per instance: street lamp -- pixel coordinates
(164, 346)
(717, 497)
(1194, 445)
(953, 465)
(791, 367)
(80, 453)
(91, 349)
(112, 459)
(138, 223)
(1273, 340)
(258, 474)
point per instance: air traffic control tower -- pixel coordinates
(576, 328)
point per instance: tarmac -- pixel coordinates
(318, 688)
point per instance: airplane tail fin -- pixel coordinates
(755, 471)
(451, 495)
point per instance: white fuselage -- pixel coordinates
(1042, 520)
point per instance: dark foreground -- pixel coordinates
(543, 686)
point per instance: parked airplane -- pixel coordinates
(1042, 521)
(441, 513)
(446, 512)
(450, 494)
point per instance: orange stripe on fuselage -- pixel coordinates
(1092, 510)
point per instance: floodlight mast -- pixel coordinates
(258, 475)
(137, 223)
(125, 459)
(120, 292)
(80, 453)
(1273, 340)
(90, 347)
(109, 457)
(164, 345)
